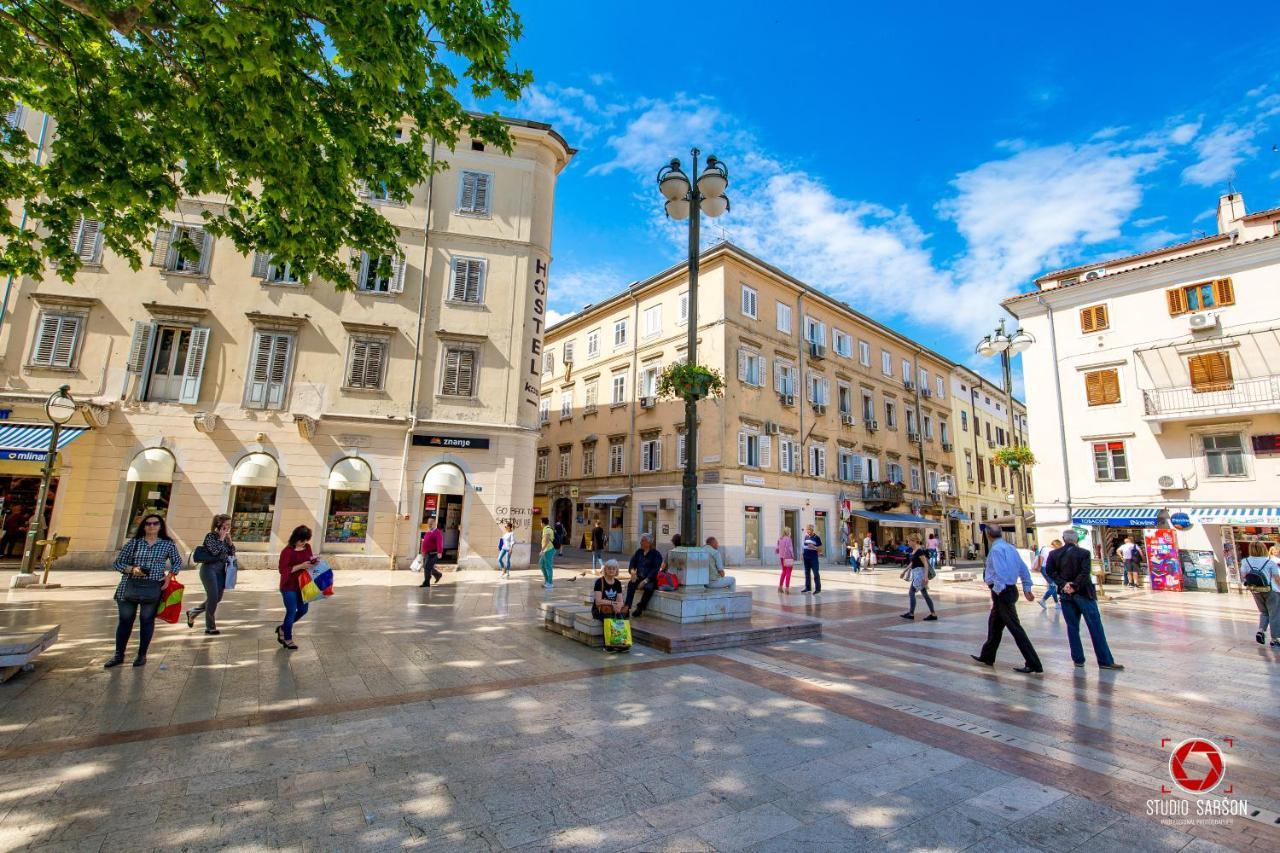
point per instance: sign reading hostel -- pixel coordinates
(453, 442)
(538, 316)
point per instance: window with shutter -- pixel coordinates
(380, 274)
(468, 280)
(1177, 305)
(1210, 371)
(269, 370)
(193, 368)
(87, 240)
(766, 451)
(57, 339)
(459, 372)
(1102, 387)
(474, 192)
(1094, 318)
(13, 117)
(1223, 292)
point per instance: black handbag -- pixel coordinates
(141, 590)
(203, 555)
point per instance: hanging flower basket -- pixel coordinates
(1015, 457)
(690, 382)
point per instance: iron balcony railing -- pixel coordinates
(1243, 393)
(885, 492)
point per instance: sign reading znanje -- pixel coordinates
(457, 442)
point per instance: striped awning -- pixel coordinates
(1235, 515)
(894, 519)
(30, 442)
(605, 499)
(1117, 516)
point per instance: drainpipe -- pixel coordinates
(924, 470)
(1057, 390)
(802, 390)
(417, 360)
(22, 223)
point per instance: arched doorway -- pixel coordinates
(444, 491)
(562, 513)
(150, 480)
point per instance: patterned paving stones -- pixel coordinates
(448, 719)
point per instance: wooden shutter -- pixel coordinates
(356, 367)
(204, 244)
(279, 376)
(140, 347)
(161, 245)
(481, 202)
(1210, 371)
(742, 365)
(269, 370)
(1177, 301)
(261, 264)
(1093, 318)
(459, 365)
(375, 355)
(1223, 292)
(193, 370)
(64, 348)
(1102, 387)
(88, 240)
(469, 194)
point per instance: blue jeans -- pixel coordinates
(504, 561)
(1052, 592)
(1075, 606)
(294, 609)
(597, 560)
(924, 591)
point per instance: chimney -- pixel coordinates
(1230, 212)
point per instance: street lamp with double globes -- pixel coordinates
(1006, 345)
(944, 489)
(59, 409)
(689, 201)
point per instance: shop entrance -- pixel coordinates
(562, 513)
(649, 522)
(751, 533)
(443, 497)
(791, 521)
(17, 510)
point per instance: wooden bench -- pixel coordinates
(19, 647)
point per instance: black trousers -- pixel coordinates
(429, 570)
(129, 611)
(1004, 614)
(648, 587)
(811, 573)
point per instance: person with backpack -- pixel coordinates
(1131, 555)
(1260, 574)
(562, 537)
(919, 570)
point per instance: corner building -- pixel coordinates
(829, 418)
(221, 383)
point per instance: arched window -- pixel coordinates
(151, 478)
(347, 521)
(253, 498)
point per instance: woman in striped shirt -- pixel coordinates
(149, 554)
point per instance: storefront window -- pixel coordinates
(348, 520)
(252, 513)
(148, 498)
(150, 478)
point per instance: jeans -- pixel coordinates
(504, 561)
(1075, 606)
(1051, 592)
(294, 609)
(214, 578)
(924, 591)
(1004, 614)
(811, 571)
(855, 563)
(546, 564)
(1268, 604)
(597, 560)
(130, 610)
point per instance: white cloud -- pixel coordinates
(661, 131)
(1184, 133)
(1156, 239)
(1147, 222)
(1220, 152)
(572, 289)
(569, 109)
(553, 317)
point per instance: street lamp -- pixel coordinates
(1006, 345)
(59, 408)
(944, 489)
(689, 201)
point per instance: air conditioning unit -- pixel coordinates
(872, 424)
(991, 444)
(787, 399)
(1172, 481)
(908, 384)
(946, 447)
(770, 428)
(913, 437)
(647, 402)
(846, 420)
(819, 408)
(1093, 275)
(817, 350)
(667, 503)
(1207, 320)
(925, 392)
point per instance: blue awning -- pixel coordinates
(894, 519)
(30, 442)
(1118, 516)
(1244, 515)
(959, 515)
(605, 499)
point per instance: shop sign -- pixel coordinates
(1162, 559)
(752, 480)
(711, 476)
(22, 455)
(454, 442)
(5, 414)
(1180, 520)
(431, 503)
(752, 509)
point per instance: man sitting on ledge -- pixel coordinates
(645, 565)
(719, 580)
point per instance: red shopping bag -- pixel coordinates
(171, 600)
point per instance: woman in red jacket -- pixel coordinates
(293, 559)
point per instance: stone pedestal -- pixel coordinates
(691, 565)
(699, 604)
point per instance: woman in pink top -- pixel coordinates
(432, 550)
(787, 558)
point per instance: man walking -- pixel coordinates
(1041, 565)
(1131, 555)
(1005, 569)
(545, 562)
(645, 564)
(597, 546)
(432, 551)
(1069, 568)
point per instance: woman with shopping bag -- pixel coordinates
(216, 556)
(294, 559)
(609, 606)
(146, 561)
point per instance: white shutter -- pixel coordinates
(261, 264)
(193, 370)
(779, 374)
(657, 455)
(855, 472)
(766, 451)
(826, 391)
(375, 355)
(280, 352)
(204, 243)
(356, 367)
(46, 338)
(742, 365)
(161, 245)
(481, 201)
(742, 448)
(397, 275)
(467, 192)
(362, 277)
(64, 349)
(269, 370)
(458, 290)
(140, 347)
(88, 240)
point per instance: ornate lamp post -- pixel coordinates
(688, 201)
(59, 408)
(1007, 345)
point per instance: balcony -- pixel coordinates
(1244, 396)
(882, 492)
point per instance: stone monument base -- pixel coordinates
(699, 604)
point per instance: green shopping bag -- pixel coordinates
(617, 634)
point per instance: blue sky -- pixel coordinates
(920, 163)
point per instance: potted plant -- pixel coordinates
(690, 382)
(1015, 457)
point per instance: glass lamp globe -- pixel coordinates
(1020, 342)
(60, 407)
(678, 208)
(715, 206)
(985, 348)
(714, 179)
(999, 342)
(672, 182)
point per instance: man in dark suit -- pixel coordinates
(1070, 567)
(645, 564)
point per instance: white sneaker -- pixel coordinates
(548, 586)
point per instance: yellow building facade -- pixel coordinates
(222, 384)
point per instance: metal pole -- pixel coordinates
(946, 527)
(689, 486)
(36, 530)
(1019, 523)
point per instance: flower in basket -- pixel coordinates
(690, 382)
(1015, 457)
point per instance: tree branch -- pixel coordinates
(124, 22)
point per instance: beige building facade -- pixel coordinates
(829, 418)
(214, 382)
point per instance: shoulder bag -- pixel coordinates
(141, 590)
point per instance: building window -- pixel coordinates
(844, 396)
(942, 388)
(383, 274)
(459, 372)
(548, 362)
(566, 462)
(815, 332)
(468, 280)
(964, 421)
(784, 318)
(684, 308)
(269, 368)
(944, 432)
(1109, 461)
(619, 389)
(1200, 297)
(842, 343)
(1002, 480)
(651, 454)
(1210, 371)
(544, 465)
(593, 343)
(750, 368)
(890, 415)
(894, 472)
(911, 421)
(544, 410)
(652, 321)
(365, 363)
(886, 362)
(819, 389)
(787, 455)
(619, 333)
(589, 394)
(928, 427)
(968, 466)
(474, 193)
(649, 381)
(347, 521)
(269, 270)
(86, 240)
(569, 348)
(617, 451)
(750, 302)
(817, 460)
(864, 353)
(923, 376)
(1224, 454)
(868, 406)
(566, 405)
(589, 459)
(906, 370)
(182, 249)
(850, 466)
(784, 377)
(1094, 319)
(57, 341)
(1101, 387)
(749, 449)
(915, 479)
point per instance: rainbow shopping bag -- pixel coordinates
(316, 581)
(171, 600)
(617, 634)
